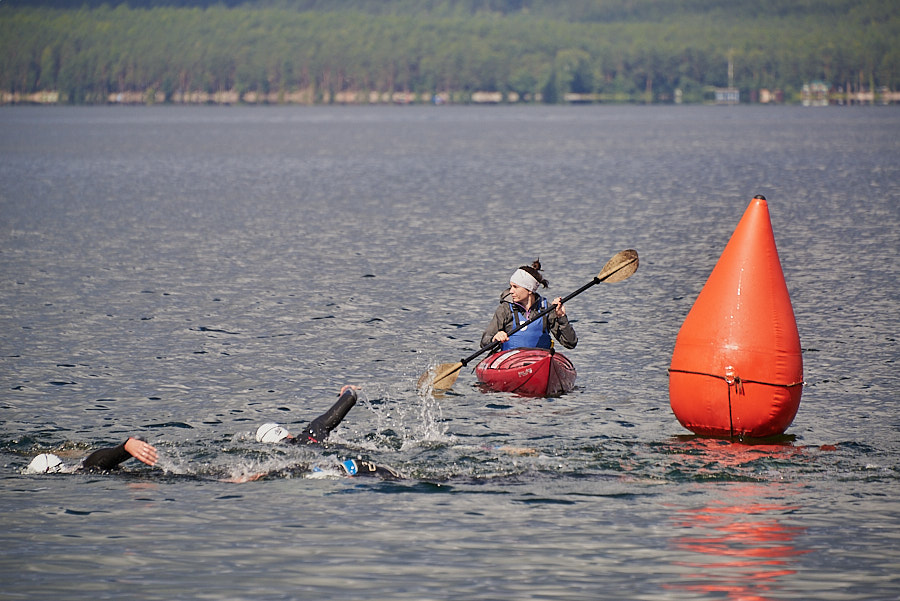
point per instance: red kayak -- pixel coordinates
(527, 371)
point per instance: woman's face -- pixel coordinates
(520, 295)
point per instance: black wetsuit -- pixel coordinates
(106, 459)
(319, 429)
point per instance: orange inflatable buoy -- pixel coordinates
(737, 369)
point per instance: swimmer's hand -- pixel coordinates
(142, 451)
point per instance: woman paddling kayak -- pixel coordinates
(517, 304)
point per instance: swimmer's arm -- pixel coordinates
(110, 457)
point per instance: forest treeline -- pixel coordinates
(315, 51)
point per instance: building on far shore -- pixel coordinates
(728, 96)
(814, 94)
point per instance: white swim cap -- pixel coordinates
(271, 433)
(45, 463)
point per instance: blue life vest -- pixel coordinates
(534, 335)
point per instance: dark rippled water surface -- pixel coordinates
(186, 274)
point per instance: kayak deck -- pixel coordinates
(528, 372)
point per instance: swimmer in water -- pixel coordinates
(105, 459)
(319, 429)
(109, 458)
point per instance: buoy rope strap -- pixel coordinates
(737, 381)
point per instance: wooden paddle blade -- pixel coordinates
(441, 377)
(446, 376)
(621, 267)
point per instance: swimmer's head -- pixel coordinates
(271, 433)
(45, 463)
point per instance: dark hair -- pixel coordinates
(535, 270)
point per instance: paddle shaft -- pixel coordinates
(541, 314)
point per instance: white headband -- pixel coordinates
(524, 279)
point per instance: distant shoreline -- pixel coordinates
(310, 97)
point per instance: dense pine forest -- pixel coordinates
(360, 51)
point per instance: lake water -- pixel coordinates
(186, 274)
